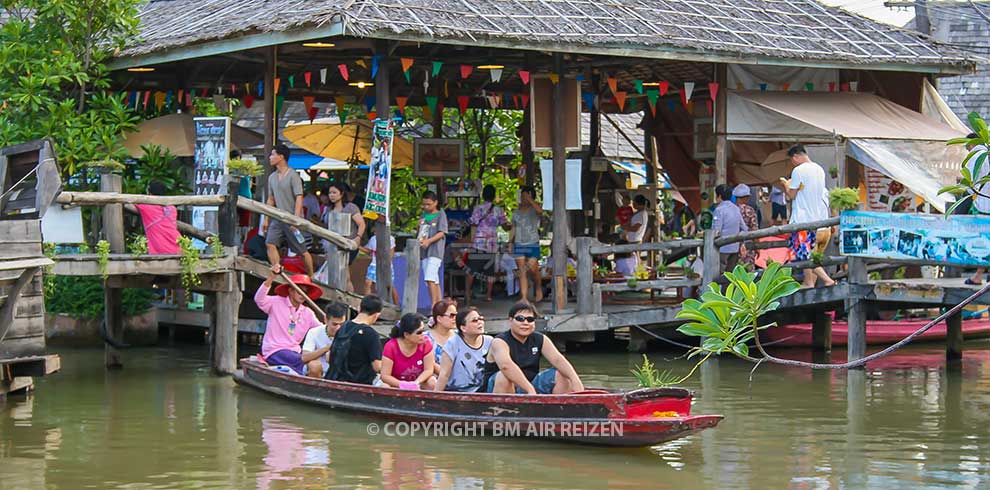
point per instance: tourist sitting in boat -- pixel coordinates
(513, 362)
(356, 352)
(317, 344)
(407, 360)
(289, 319)
(463, 360)
(442, 327)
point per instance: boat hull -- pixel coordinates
(598, 417)
(877, 332)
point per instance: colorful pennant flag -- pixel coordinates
(688, 90)
(248, 100)
(261, 88)
(785, 87)
(711, 111)
(462, 102)
(312, 112)
(427, 114)
(466, 71)
(360, 62)
(525, 100)
(589, 100)
(292, 81)
(652, 96)
(189, 97)
(436, 67)
(613, 84)
(844, 87)
(159, 99)
(323, 76)
(524, 76)
(374, 64)
(763, 87)
(369, 103)
(632, 105)
(233, 89)
(853, 86)
(809, 86)
(342, 116)
(278, 83)
(147, 95)
(401, 102)
(343, 71)
(831, 86)
(620, 99)
(308, 101)
(554, 78)
(202, 93)
(431, 102)
(663, 86)
(339, 102)
(308, 78)
(496, 74)
(279, 99)
(712, 90)
(639, 86)
(406, 65)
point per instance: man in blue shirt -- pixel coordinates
(727, 221)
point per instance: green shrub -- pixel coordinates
(82, 297)
(843, 199)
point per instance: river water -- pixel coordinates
(165, 422)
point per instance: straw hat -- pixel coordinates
(302, 280)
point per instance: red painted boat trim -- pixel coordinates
(878, 332)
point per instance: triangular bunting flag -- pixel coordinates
(168, 98)
(360, 62)
(292, 81)
(652, 96)
(406, 74)
(342, 116)
(466, 71)
(831, 86)
(639, 86)
(492, 101)
(343, 71)
(515, 101)
(613, 84)
(688, 90)
(401, 102)
(374, 64)
(261, 88)
(809, 86)
(323, 76)
(663, 86)
(147, 95)
(189, 98)
(844, 87)
(684, 99)
(525, 100)
(589, 99)
(436, 67)
(312, 112)
(496, 74)
(278, 103)
(712, 90)
(462, 102)
(554, 78)
(308, 78)
(233, 89)
(763, 87)
(159, 99)
(369, 103)
(632, 105)
(308, 102)
(431, 102)
(524, 76)
(620, 99)
(853, 86)
(180, 96)
(202, 93)
(407, 63)
(278, 83)
(786, 87)
(339, 102)
(248, 100)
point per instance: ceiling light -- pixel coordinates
(491, 67)
(361, 84)
(651, 84)
(141, 69)
(318, 44)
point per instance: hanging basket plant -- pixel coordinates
(843, 199)
(105, 166)
(242, 167)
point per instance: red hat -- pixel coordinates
(302, 280)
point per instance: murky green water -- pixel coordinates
(164, 422)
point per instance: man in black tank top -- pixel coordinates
(513, 362)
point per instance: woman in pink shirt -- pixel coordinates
(288, 320)
(407, 359)
(160, 223)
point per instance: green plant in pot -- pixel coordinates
(833, 172)
(242, 167)
(106, 166)
(843, 199)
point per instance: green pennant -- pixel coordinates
(406, 74)
(342, 115)
(632, 105)
(292, 81)
(278, 103)
(431, 101)
(653, 95)
(639, 86)
(810, 86)
(436, 67)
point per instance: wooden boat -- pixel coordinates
(643, 417)
(877, 332)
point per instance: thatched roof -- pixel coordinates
(714, 30)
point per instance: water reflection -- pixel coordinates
(164, 422)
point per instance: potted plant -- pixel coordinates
(833, 171)
(843, 199)
(661, 269)
(242, 167)
(105, 166)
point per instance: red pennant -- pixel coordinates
(308, 77)
(343, 71)
(462, 101)
(524, 76)
(189, 96)
(613, 84)
(407, 63)
(684, 98)
(844, 87)
(831, 86)
(525, 100)
(308, 102)
(147, 95)
(202, 93)
(713, 90)
(664, 86)
(248, 100)
(372, 115)
(233, 89)
(786, 87)
(620, 99)
(312, 111)
(401, 102)
(466, 71)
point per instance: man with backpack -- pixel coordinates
(356, 352)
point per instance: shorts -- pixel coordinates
(800, 245)
(526, 251)
(278, 231)
(431, 269)
(543, 382)
(372, 274)
(778, 211)
(287, 358)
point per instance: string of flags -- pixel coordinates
(432, 74)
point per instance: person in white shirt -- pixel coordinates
(633, 232)
(316, 345)
(809, 202)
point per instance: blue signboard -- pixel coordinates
(963, 240)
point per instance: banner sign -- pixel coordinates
(379, 170)
(212, 149)
(886, 194)
(963, 240)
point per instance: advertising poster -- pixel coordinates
(963, 240)
(211, 152)
(887, 195)
(380, 170)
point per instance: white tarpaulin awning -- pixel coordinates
(903, 144)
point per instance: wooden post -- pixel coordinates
(637, 340)
(821, 332)
(383, 257)
(410, 294)
(709, 260)
(559, 244)
(337, 258)
(226, 304)
(585, 275)
(113, 232)
(721, 140)
(270, 123)
(954, 338)
(856, 307)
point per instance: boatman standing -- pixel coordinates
(289, 319)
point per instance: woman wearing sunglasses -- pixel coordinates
(441, 327)
(407, 358)
(464, 354)
(513, 362)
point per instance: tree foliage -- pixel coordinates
(53, 74)
(970, 181)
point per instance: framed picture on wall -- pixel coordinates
(438, 157)
(704, 138)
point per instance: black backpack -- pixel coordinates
(340, 350)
